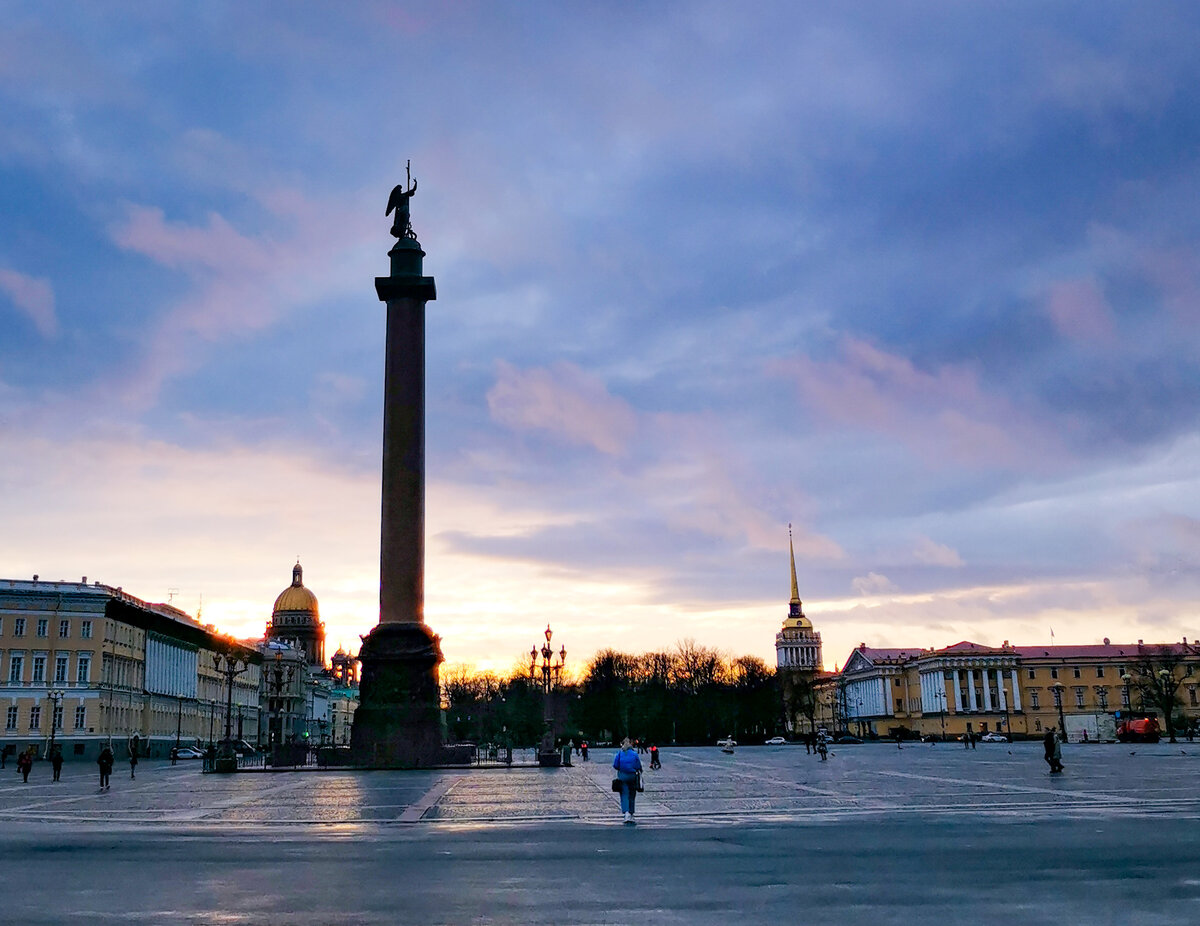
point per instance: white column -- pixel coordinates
(987, 690)
(1000, 687)
(1016, 691)
(958, 691)
(971, 695)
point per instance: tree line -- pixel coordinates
(691, 694)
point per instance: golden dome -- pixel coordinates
(797, 623)
(296, 597)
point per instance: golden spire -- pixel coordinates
(792, 554)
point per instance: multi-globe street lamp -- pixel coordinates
(230, 666)
(551, 671)
(1058, 688)
(55, 695)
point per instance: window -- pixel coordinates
(1192, 696)
(19, 627)
(16, 668)
(85, 668)
(60, 668)
(58, 712)
(43, 627)
(1099, 671)
(85, 630)
(1125, 697)
(35, 718)
(1037, 725)
(1034, 702)
(1187, 671)
(39, 668)
(897, 683)
(64, 627)
(1054, 673)
(80, 717)
(1033, 673)
(12, 719)
(900, 705)
(1077, 673)
(1079, 697)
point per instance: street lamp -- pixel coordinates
(277, 678)
(55, 695)
(551, 671)
(230, 666)
(1058, 688)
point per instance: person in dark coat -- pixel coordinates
(105, 761)
(56, 763)
(25, 765)
(1053, 750)
(133, 765)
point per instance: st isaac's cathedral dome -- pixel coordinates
(296, 620)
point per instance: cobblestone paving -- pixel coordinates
(695, 785)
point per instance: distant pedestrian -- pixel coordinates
(808, 743)
(105, 761)
(56, 763)
(972, 738)
(584, 749)
(629, 772)
(654, 763)
(174, 755)
(822, 746)
(1052, 746)
(25, 765)
(3, 755)
(133, 765)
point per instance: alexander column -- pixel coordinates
(398, 721)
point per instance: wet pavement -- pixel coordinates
(896, 835)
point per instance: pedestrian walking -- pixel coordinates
(56, 763)
(133, 764)
(808, 743)
(174, 755)
(105, 761)
(3, 755)
(25, 765)
(1053, 749)
(629, 777)
(654, 763)
(584, 749)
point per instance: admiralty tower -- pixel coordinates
(797, 645)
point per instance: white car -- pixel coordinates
(775, 741)
(993, 738)
(188, 752)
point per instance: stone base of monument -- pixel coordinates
(398, 722)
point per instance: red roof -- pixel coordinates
(1101, 650)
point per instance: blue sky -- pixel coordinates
(920, 279)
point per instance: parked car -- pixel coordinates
(846, 740)
(188, 752)
(775, 741)
(993, 738)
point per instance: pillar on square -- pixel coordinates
(958, 705)
(398, 721)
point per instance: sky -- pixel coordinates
(920, 279)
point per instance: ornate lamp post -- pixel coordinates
(277, 678)
(551, 671)
(1058, 688)
(230, 666)
(55, 695)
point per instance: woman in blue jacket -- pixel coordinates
(628, 767)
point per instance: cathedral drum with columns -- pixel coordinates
(296, 620)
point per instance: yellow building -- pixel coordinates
(1017, 690)
(82, 665)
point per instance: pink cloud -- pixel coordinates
(33, 297)
(563, 400)
(941, 413)
(1079, 311)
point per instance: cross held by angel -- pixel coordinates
(402, 225)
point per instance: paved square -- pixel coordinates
(879, 834)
